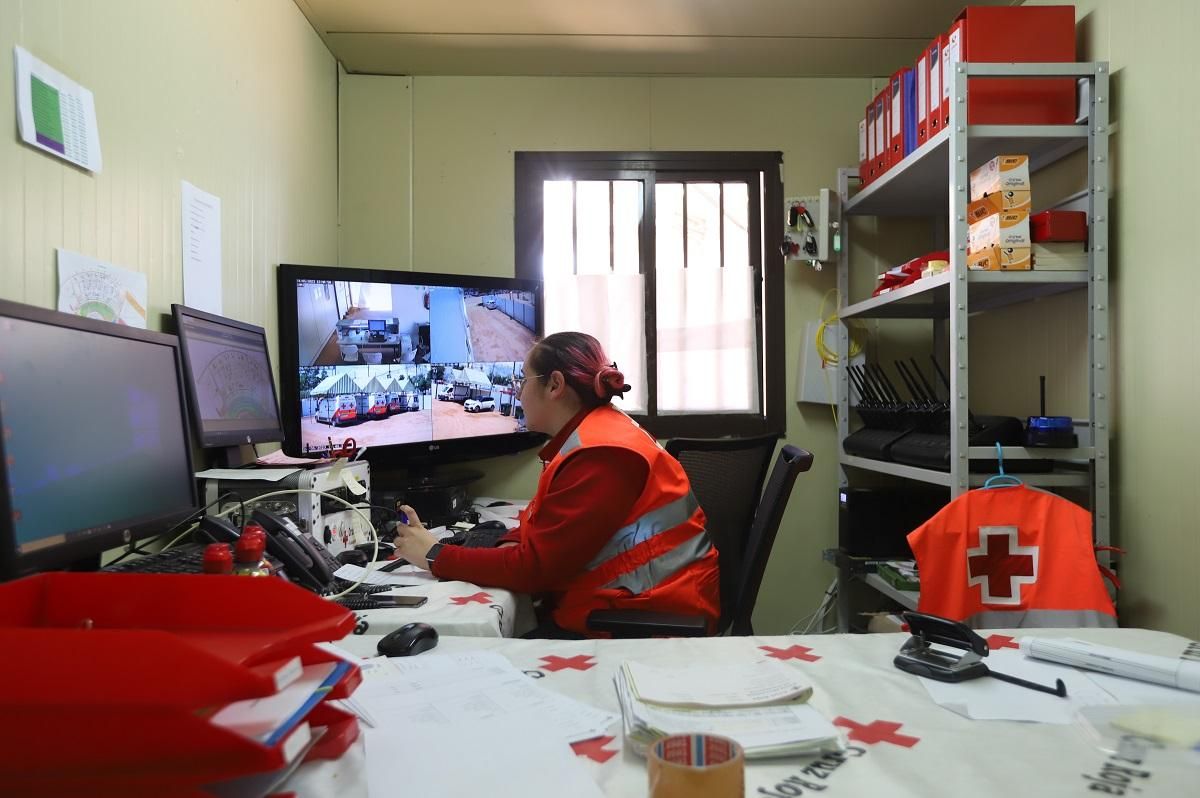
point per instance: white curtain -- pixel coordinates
(610, 307)
(707, 353)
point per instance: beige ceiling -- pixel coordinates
(786, 38)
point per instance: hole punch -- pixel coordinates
(919, 657)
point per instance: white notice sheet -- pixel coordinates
(201, 220)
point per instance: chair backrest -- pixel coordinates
(791, 461)
(727, 476)
(372, 358)
(349, 352)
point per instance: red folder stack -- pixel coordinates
(112, 681)
(980, 34)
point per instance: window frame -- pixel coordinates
(532, 169)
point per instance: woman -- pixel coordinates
(613, 524)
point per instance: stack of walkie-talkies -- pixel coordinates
(916, 431)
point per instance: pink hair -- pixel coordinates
(583, 364)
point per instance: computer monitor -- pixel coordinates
(439, 388)
(95, 445)
(377, 325)
(230, 387)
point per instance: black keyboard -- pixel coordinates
(340, 584)
(355, 601)
(185, 559)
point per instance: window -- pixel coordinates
(665, 257)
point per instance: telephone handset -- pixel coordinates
(305, 562)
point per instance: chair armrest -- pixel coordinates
(640, 623)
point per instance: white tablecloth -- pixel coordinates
(900, 742)
(453, 608)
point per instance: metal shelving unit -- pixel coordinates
(933, 182)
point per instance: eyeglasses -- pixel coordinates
(519, 384)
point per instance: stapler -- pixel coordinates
(919, 657)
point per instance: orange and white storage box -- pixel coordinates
(1000, 242)
(1001, 174)
(999, 202)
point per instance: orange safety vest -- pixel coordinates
(1011, 557)
(660, 559)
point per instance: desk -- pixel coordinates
(902, 745)
(453, 608)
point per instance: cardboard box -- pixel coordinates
(1000, 259)
(1005, 229)
(1002, 173)
(998, 202)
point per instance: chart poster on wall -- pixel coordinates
(56, 114)
(97, 290)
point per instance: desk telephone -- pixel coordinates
(305, 561)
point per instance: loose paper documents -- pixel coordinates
(758, 717)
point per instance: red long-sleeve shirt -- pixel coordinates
(579, 511)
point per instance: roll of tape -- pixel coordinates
(696, 766)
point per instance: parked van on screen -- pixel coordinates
(336, 410)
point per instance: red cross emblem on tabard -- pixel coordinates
(999, 567)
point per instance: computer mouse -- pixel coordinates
(385, 550)
(500, 503)
(489, 525)
(408, 640)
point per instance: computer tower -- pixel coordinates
(875, 522)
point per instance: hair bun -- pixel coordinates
(609, 382)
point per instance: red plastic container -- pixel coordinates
(109, 678)
(1022, 34)
(1058, 226)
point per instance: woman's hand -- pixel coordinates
(413, 540)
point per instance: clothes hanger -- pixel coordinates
(1001, 480)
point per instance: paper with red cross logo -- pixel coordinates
(476, 598)
(579, 662)
(791, 652)
(1000, 567)
(877, 731)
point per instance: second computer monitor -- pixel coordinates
(229, 379)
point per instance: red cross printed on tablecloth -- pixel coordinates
(580, 662)
(999, 566)
(594, 749)
(791, 652)
(877, 731)
(996, 642)
(478, 598)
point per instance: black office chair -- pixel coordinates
(752, 542)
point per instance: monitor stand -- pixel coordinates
(438, 495)
(238, 456)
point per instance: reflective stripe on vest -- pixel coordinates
(1045, 619)
(649, 526)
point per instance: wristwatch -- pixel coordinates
(432, 554)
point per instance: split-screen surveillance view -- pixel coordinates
(409, 363)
